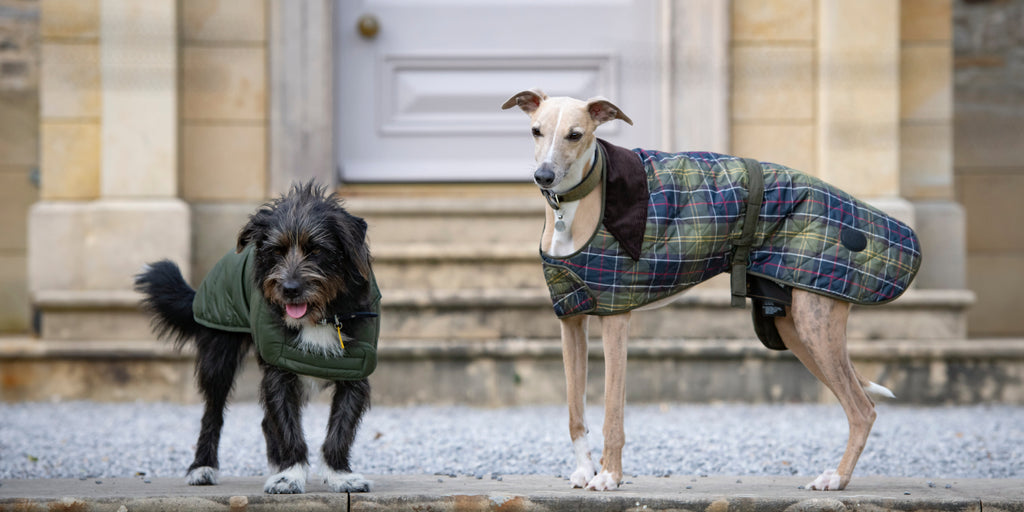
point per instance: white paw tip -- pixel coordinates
(203, 475)
(604, 481)
(289, 481)
(829, 480)
(581, 476)
(338, 481)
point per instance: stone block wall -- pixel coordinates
(989, 158)
(870, 114)
(19, 155)
(774, 81)
(223, 119)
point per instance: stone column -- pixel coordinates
(88, 240)
(926, 140)
(858, 101)
(884, 131)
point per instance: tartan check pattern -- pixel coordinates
(695, 212)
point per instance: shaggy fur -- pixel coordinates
(311, 258)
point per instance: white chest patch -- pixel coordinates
(321, 340)
(561, 241)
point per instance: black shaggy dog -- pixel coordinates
(304, 260)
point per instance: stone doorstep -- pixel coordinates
(514, 313)
(491, 373)
(515, 207)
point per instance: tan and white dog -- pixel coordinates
(814, 327)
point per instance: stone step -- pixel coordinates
(494, 373)
(436, 266)
(494, 314)
(700, 313)
(463, 221)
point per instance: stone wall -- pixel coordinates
(19, 152)
(223, 120)
(989, 135)
(870, 114)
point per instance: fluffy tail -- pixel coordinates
(169, 299)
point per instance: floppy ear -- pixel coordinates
(602, 110)
(254, 230)
(352, 233)
(526, 100)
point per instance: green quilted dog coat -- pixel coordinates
(228, 299)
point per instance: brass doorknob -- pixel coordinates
(368, 26)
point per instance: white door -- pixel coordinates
(420, 100)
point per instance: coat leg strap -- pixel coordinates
(741, 248)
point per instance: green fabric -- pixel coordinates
(741, 251)
(228, 300)
(809, 235)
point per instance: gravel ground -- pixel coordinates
(88, 440)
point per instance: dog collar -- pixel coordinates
(338, 319)
(338, 322)
(589, 183)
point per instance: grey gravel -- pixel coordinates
(99, 440)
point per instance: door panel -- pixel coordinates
(421, 100)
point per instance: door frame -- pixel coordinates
(694, 41)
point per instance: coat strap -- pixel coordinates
(741, 247)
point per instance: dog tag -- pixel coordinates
(559, 226)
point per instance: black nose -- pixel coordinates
(544, 176)
(291, 288)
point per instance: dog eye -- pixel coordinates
(536, 132)
(574, 136)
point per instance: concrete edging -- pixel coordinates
(521, 492)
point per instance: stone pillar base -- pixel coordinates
(83, 256)
(942, 227)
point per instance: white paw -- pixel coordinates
(289, 481)
(203, 475)
(604, 481)
(582, 475)
(827, 481)
(340, 481)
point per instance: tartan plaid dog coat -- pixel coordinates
(809, 235)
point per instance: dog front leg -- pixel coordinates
(282, 394)
(351, 400)
(574, 358)
(615, 332)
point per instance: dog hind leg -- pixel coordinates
(282, 395)
(815, 332)
(351, 399)
(574, 359)
(219, 355)
(615, 331)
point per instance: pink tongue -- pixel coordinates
(295, 310)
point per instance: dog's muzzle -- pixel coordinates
(544, 175)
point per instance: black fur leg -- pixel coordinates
(282, 395)
(219, 356)
(351, 399)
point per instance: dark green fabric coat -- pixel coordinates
(228, 299)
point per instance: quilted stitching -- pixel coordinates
(695, 213)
